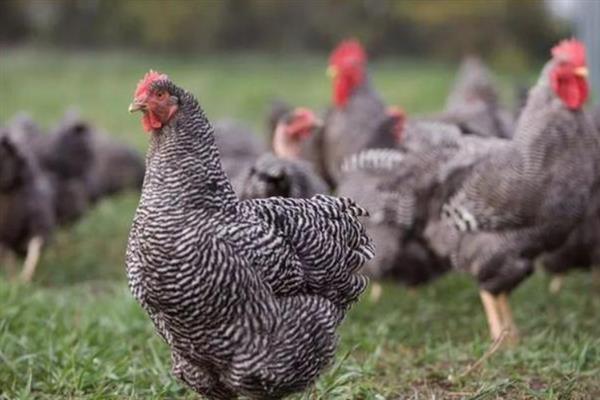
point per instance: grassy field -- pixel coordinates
(77, 333)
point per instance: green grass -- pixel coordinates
(77, 333)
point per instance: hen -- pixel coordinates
(247, 294)
(401, 190)
(26, 215)
(474, 106)
(527, 197)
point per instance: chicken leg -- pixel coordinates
(492, 312)
(499, 316)
(508, 322)
(556, 283)
(34, 249)
(376, 290)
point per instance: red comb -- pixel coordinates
(348, 50)
(146, 81)
(571, 50)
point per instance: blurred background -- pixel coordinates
(77, 333)
(511, 32)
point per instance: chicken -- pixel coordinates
(369, 178)
(400, 190)
(357, 111)
(473, 104)
(65, 157)
(26, 215)
(582, 248)
(68, 159)
(247, 294)
(286, 173)
(526, 198)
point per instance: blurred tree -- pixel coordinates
(511, 31)
(13, 23)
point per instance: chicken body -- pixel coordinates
(473, 105)
(403, 189)
(26, 215)
(524, 198)
(351, 128)
(273, 176)
(247, 293)
(116, 167)
(582, 249)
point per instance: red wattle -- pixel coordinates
(341, 91)
(572, 90)
(150, 121)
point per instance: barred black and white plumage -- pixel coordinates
(247, 294)
(373, 159)
(526, 197)
(395, 186)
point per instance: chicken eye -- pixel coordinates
(160, 95)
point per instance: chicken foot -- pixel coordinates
(556, 283)
(34, 249)
(376, 291)
(499, 316)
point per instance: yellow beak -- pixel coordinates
(332, 71)
(582, 71)
(136, 106)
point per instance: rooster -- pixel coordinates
(247, 294)
(526, 198)
(357, 111)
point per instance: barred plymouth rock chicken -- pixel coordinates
(352, 123)
(526, 198)
(247, 294)
(26, 215)
(286, 173)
